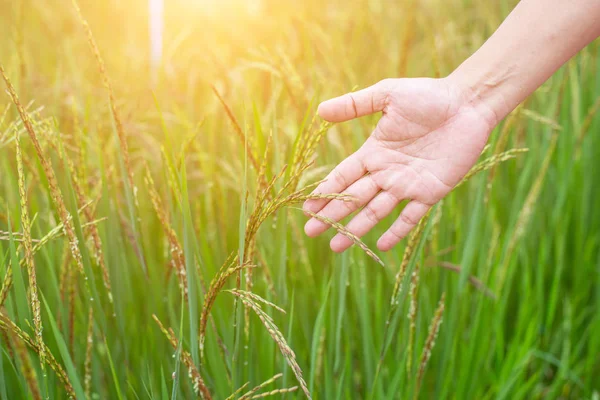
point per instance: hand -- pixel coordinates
(430, 135)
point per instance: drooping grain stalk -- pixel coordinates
(413, 240)
(276, 335)
(29, 262)
(26, 367)
(254, 390)
(55, 232)
(9, 326)
(275, 392)
(344, 231)
(198, 383)
(228, 269)
(434, 328)
(55, 192)
(238, 130)
(233, 395)
(490, 163)
(93, 230)
(111, 96)
(178, 257)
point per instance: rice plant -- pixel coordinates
(150, 211)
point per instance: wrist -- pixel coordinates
(491, 92)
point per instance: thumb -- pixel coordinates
(356, 104)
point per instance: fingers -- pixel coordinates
(355, 104)
(366, 219)
(362, 191)
(342, 176)
(409, 217)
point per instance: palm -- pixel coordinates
(425, 142)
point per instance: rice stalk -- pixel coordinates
(72, 291)
(29, 262)
(9, 326)
(587, 122)
(434, 328)
(87, 365)
(275, 392)
(111, 96)
(249, 394)
(197, 381)
(489, 163)
(412, 318)
(276, 335)
(178, 257)
(27, 369)
(55, 232)
(237, 391)
(525, 213)
(411, 245)
(52, 181)
(93, 230)
(238, 130)
(534, 116)
(344, 231)
(229, 268)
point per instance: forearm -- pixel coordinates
(531, 44)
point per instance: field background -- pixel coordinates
(515, 251)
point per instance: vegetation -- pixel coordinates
(151, 241)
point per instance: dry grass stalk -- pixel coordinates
(55, 192)
(111, 97)
(250, 393)
(276, 335)
(9, 326)
(523, 218)
(412, 318)
(434, 328)
(29, 262)
(178, 257)
(87, 366)
(342, 230)
(198, 383)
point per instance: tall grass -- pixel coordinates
(150, 237)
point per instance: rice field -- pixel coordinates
(151, 223)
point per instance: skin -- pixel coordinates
(432, 131)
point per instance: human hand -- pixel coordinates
(431, 133)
